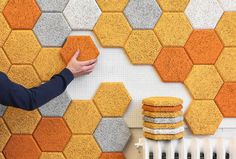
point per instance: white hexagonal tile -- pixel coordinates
(52, 5)
(228, 5)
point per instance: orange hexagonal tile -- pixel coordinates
(112, 99)
(226, 99)
(203, 82)
(112, 29)
(24, 75)
(203, 117)
(204, 46)
(173, 29)
(85, 44)
(169, 5)
(21, 14)
(52, 134)
(115, 155)
(4, 31)
(48, 63)
(142, 47)
(226, 28)
(173, 64)
(82, 146)
(2, 4)
(112, 5)
(4, 135)
(22, 122)
(26, 42)
(52, 155)
(226, 64)
(82, 117)
(4, 62)
(21, 147)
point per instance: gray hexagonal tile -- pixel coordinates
(57, 106)
(52, 29)
(2, 109)
(52, 5)
(82, 14)
(143, 14)
(112, 134)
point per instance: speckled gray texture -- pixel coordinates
(163, 120)
(52, 29)
(112, 134)
(2, 109)
(52, 5)
(164, 131)
(82, 14)
(143, 14)
(57, 106)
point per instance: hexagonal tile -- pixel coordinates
(112, 134)
(2, 109)
(57, 106)
(142, 47)
(112, 29)
(24, 75)
(112, 5)
(48, 63)
(52, 5)
(112, 99)
(82, 14)
(82, 146)
(226, 100)
(26, 42)
(228, 5)
(203, 117)
(22, 122)
(85, 44)
(114, 155)
(52, 134)
(21, 14)
(170, 6)
(173, 29)
(22, 146)
(52, 155)
(197, 10)
(5, 134)
(142, 14)
(5, 29)
(226, 64)
(2, 156)
(3, 4)
(204, 46)
(82, 117)
(50, 34)
(173, 64)
(203, 82)
(4, 62)
(226, 28)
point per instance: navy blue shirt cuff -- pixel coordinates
(68, 76)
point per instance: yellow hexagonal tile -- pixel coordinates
(203, 117)
(112, 5)
(4, 62)
(203, 82)
(226, 28)
(112, 99)
(2, 4)
(226, 64)
(5, 29)
(48, 63)
(173, 29)
(21, 121)
(4, 135)
(142, 47)
(22, 47)
(2, 156)
(170, 5)
(82, 146)
(112, 29)
(82, 117)
(52, 155)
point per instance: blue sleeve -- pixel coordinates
(12, 94)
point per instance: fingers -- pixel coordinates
(89, 62)
(89, 67)
(76, 54)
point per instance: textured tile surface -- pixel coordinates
(2, 4)
(228, 5)
(203, 117)
(162, 114)
(142, 14)
(163, 120)
(110, 155)
(112, 29)
(4, 135)
(82, 14)
(164, 131)
(4, 62)
(163, 137)
(162, 109)
(26, 42)
(48, 63)
(112, 5)
(112, 99)
(82, 117)
(112, 134)
(52, 134)
(52, 5)
(22, 122)
(170, 5)
(57, 106)
(162, 101)
(85, 44)
(5, 30)
(21, 14)
(173, 29)
(21, 147)
(52, 155)
(142, 47)
(163, 126)
(2, 156)
(203, 82)
(50, 34)
(82, 146)
(173, 64)
(2, 109)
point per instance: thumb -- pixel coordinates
(76, 54)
